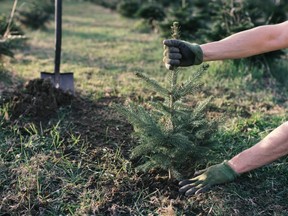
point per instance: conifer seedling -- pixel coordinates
(171, 135)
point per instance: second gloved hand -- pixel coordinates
(181, 53)
(217, 174)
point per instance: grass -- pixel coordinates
(77, 163)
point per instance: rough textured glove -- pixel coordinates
(181, 53)
(217, 174)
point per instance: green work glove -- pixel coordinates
(217, 174)
(181, 53)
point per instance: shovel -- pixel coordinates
(64, 81)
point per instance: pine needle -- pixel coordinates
(153, 84)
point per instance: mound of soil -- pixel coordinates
(38, 99)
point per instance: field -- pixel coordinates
(73, 158)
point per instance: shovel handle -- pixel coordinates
(58, 38)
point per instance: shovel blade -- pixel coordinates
(66, 81)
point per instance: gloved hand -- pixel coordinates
(181, 53)
(217, 174)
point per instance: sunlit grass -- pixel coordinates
(52, 170)
(100, 45)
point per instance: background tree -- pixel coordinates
(10, 33)
(37, 14)
(190, 14)
(230, 17)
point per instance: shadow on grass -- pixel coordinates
(8, 80)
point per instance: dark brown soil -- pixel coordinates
(38, 99)
(100, 121)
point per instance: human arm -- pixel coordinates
(272, 147)
(248, 43)
(243, 44)
(269, 149)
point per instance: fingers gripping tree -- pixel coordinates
(171, 134)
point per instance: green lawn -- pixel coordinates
(76, 162)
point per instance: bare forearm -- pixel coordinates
(248, 43)
(272, 147)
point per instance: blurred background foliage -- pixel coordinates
(203, 20)
(206, 20)
(200, 20)
(35, 14)
(31, 14)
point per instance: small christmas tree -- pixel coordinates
(171, 134)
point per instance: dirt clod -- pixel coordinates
(39, 99)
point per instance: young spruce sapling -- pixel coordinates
(171, 135)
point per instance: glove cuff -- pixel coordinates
(229, 172)
(198, 54)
